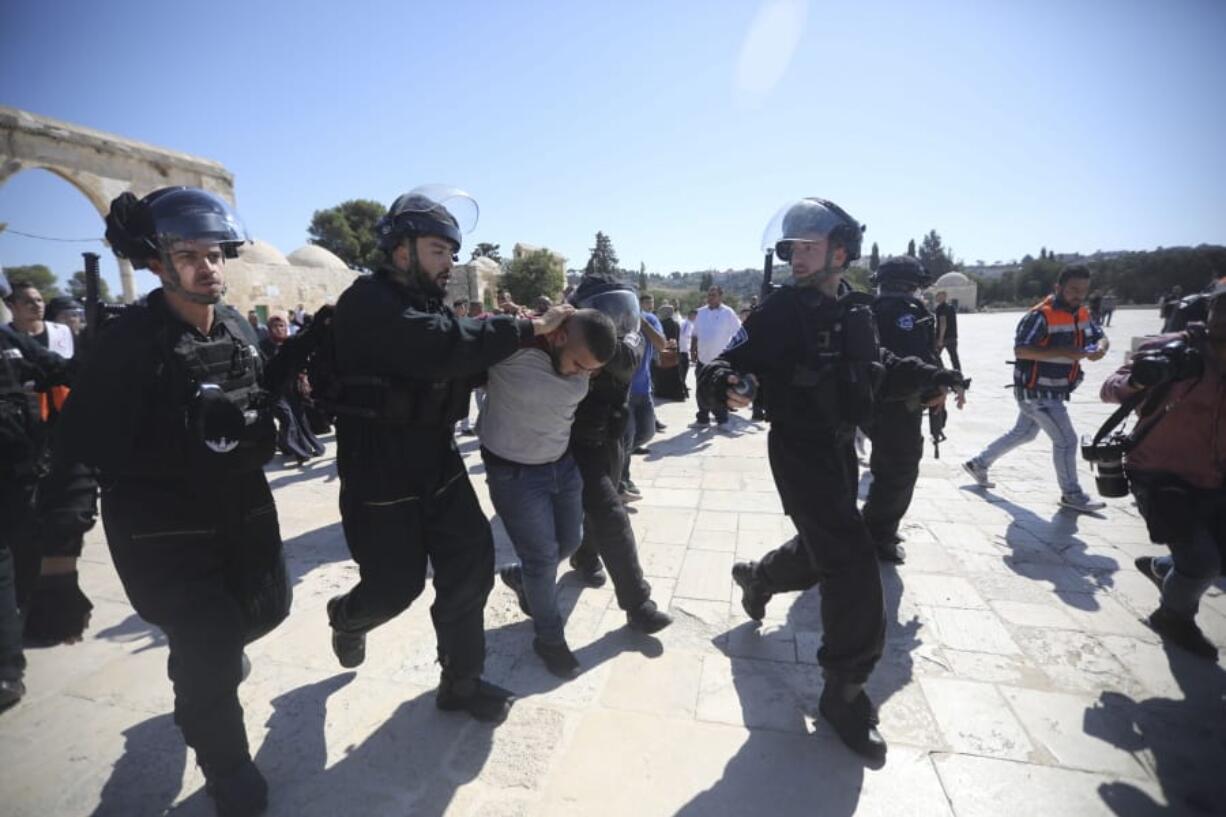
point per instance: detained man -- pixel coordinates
(533, 480)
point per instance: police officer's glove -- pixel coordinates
(950, 379)
(58, 611)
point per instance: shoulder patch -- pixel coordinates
(905, 322)
(738, 339)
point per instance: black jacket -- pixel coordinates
(601, 417)
(414, 345)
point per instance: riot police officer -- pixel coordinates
(170, 410)
(906, 328)
(597, 445)
(405, 366)
(817, 353)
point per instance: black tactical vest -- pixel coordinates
(841, 365)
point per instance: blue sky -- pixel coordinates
(676, 127)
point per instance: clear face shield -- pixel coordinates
(620, 305)
(437, 209)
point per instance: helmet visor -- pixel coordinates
(622, 307)
(429, 197)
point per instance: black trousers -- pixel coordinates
(817, 485)
(898, 445)
(607, 533)
(683, 367)
(720, 410)
(17, 556)
(951, 346)
(204, 563)
(392, 538)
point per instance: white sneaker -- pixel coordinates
(978, 473)
(1082, 503)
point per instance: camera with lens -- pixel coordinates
(1174, 360)
(1106, 458)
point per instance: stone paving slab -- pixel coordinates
(1018, 677)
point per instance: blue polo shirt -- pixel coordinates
(641, 384)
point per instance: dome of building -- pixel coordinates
(953, 279)
(261, 252)
(313, 255)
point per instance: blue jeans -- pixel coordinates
(640, 427)
(542, 509)
(1049, 415)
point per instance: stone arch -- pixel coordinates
(101, 165)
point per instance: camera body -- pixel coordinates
(1174, 360)
(1106, 458)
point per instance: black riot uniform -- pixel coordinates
(405, 366)
(25, 366)
(598, 448)
(818, 358)
(176, 422)
(906, 328)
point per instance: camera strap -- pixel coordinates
(1154, 396)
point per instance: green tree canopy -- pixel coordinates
(603, 259)
(348, 231)
(487, 250)
(532, 275)
(874, 259)
(705, 282)
(934, 256)
(40, 275)
(76, 287)
(911, 248)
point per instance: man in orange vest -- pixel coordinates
(1052, 340)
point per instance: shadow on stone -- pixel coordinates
(1186, 740)
(132, 629)
(782, 773)
(324, 467)
(148, 775)
(1048, 550)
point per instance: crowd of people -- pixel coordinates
(175, 405)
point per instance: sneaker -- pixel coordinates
(558, 658)
(978, 473)
(648, 618)
(702, 421)
(1146, 565)
(350, 648)
(642, 449)
(889, 550)
(660, 426)
(854, 721)
(240, 792)
(1182, 632)
(629, 492)
(754, 594)
(513, 577)
(1081, 503)
(482, 700)
(11, 691)
(593, 574)
(468, 432)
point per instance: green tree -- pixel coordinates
(603, 260)
(1043, 254)
(934, 256)
(532, 275)
(40, 275)
(348, 231)
(706, 282)
(487, 250)
(911, 248)
(874, 259)
(642, 277)
(76, 287)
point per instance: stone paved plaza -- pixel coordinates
(1018, 677)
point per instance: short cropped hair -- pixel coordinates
(18, 286)
(598, 332)
(1079, 271)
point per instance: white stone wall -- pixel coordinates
(283, 286)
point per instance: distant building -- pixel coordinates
(960, 291)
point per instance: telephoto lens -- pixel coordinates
(1110, 479)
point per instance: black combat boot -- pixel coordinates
(1182, 631)
(854, 718)
(350, 648)
(11, 691)
(484, 701)
(558, 658)
(890, 549)
(648, 618)
(237, 792)
(754, 594)
(592, 573)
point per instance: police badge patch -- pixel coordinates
(739, 338)
(906, 322)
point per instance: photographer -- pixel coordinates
(1176, 463)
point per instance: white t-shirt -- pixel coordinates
(714, 328)
(687, 333)
(59, 339)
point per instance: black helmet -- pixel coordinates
(61, 304)
(437, 210)
(810, 219)
(902, 270)
(617, 300)
(141, 229)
